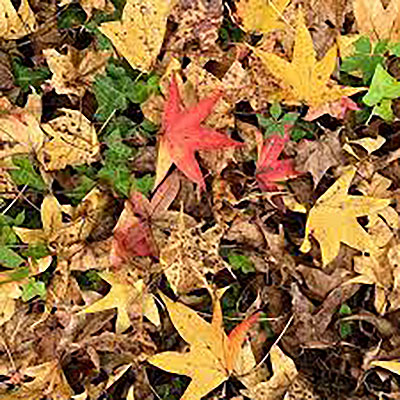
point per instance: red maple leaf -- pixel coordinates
(183, 134)
(270, 170)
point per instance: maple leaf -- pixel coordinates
(73, 141)
(121, 296)
(212, 354)
(14, 25)
(271, 170)
(306, 80)
(333, 219)
(376, 21)
(139, 35)
(183, 135)
(260, 15)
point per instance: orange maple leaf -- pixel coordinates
(183, 135)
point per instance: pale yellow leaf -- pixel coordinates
(261, 15)
(139, 35)
(392, 366)
(333, 219)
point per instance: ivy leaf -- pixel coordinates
(25, 174)
(9, 258)
(26, 77)
(32, 289)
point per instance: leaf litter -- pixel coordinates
(199, 199)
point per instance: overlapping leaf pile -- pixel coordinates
(199, 199)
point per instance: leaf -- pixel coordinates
(9, 258)
(32, 289)
(240, 262)
(74, 72)
(139, 35)
(25, 174)
(383, 86)
(260, 15)
(72, 141)
(121, 296)
(9, 292)
(376, 21)
(212, 354)
(183, 135)
(333, 219)
(304, 79)
(14, 25)
(269, 169)
(392, 366)
(26, 77)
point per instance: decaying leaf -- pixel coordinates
(75, 71)
(260, 15)
(375, 20)
(319, 155)
(121, 296)
(284, 373)
(306, 80)
(9, 291)
(140, 33)
(333, 219)
(16, 24)
(212, 354)
(72, 140)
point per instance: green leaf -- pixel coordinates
(384, 110)
(345, 329)
(72, 16)
(9, 258)
(36, 251)
(394, 48)
(383, 86)
(241, 262)
(381, 47)
(26, 77)
(363, 45)
(345, 310)
(25, 174)
(32, 289)
(117, 177)
(275, 110)
(84, 186)
(144, 184)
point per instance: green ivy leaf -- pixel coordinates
(144, 184)
(26, 77)
(9, 258)
(383, 86)
(25, 174)
(32, 289)
(240, 262)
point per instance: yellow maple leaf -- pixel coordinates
(73, 141)
(376, 21)
(14, 25)
(261, 15)
(333, 219)
(139, 35)
(121, 296)
(304, 79)
(212, 354)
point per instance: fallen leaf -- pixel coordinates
(90, 5)
(260, 15)
(377, 21)
(212, 354)
(9, 291)
(72, 141)
(75, 71)
(392, 366)
(183, 135)
(121, 296)
(16, 24)
(270, 170)
(284, 372)
(333, 219)
(139, 35)
(319, 155)
(304, 79)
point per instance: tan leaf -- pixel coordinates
(75, 71)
